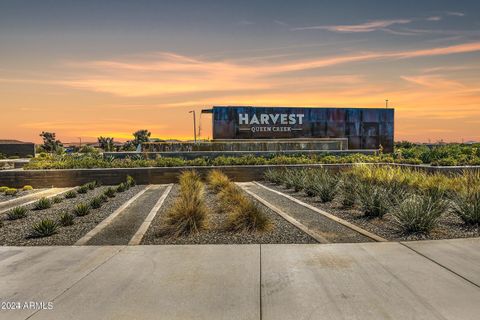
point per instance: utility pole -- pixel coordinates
(80, 138)
(194, 126)
(386, 103)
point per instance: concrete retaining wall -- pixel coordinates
(75, 177)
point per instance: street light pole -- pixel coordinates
(194, 126)
(386, 103)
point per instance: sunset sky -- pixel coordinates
(91, 68)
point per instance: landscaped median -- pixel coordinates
(63, 219)
(395, 203)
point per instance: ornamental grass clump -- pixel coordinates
(81, 209)
(57, 199)
(189, 213)
(42, 204)
(348, 190)
(295, 179)
(17, 213)
(242, 213)
(419, 213)
(247, 217)
(321, 183)
(44, 228)
(217, 180)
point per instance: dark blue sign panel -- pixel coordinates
(364, 128)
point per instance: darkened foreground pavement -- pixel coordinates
(410, 280)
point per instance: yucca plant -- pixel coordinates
(83, 189)
(70, 194)
(419, 213)
(322, 184)
(81, 209)
(110, 192)
(17, 213)
(275, 176)
(373, 199)
(44, 228)
(42, 204)
(66, 219)
(348, 190)
(466, 205)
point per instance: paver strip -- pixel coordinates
(328, 229)
(361, 281)
(123, 227)
(137, 238)
(82, 241)
(31, 198)
(326, 214)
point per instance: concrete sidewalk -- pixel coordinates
(435, 280)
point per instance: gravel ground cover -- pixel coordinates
(282, 231)
(16, 232)
(20, 193)
(449, 226)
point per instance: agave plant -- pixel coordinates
(17, 213)
(81, 209)
(66, 219)
(70, 194)
(83, 189)
(109, 192)
(42, 204)
(96, 202)
(44, 228)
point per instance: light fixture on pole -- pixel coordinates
(194, 126)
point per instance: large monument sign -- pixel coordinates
(365, 128)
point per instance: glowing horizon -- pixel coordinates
(134, 66)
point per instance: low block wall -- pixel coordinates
(75, 177)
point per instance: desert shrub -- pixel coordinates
(81, 209)
(294, 179)
(247, 216)
(466, 205)
(122, 187)
(189, 213)
(70, 194)
(57, 199)
(17, 213)
(11, 191)
(83, 189)
(91, 185)
(3, 189)
(321, 183)
(419, 213)
(110, 192)
(66, 219)
(373, 199)
(44, 228)
(275, 176)
(217, 180)
(348, 190)
(42, 204)
(27, 188)
(130, 181)
(96, 202)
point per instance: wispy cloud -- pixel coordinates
(434, 18)
(455, 13)
(363, 27)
